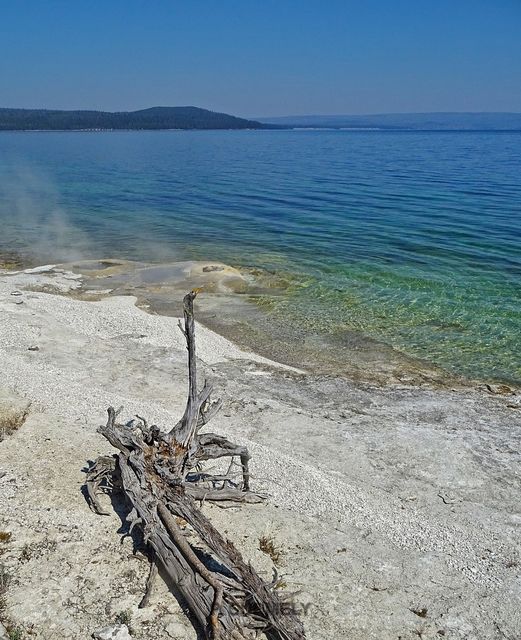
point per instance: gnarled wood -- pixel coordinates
(161, 475)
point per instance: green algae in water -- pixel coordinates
(460, 327)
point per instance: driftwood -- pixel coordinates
(162, 477)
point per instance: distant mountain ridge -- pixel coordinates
(448, 121)
(153, 118)
(197, 118)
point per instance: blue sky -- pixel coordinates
(265, 57)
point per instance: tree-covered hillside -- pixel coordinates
(154, 118)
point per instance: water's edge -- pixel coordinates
(232, 303)
(228, 305)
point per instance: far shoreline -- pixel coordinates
(268, 129)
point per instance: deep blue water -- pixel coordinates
(411, 238)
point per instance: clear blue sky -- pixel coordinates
(262, 57)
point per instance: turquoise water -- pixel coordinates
(410, 238)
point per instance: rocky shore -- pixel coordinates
(393, 509)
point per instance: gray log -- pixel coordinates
(154, 469)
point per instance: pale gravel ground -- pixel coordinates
(384, 499)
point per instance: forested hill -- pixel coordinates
(154, 118)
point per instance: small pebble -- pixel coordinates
(176, 630)
(113, 632)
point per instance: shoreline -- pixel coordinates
(385, 500)
(233, 306)
(230, 309)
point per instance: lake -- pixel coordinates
(409, 239)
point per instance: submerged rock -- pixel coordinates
(500, 389)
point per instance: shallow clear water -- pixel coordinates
(410, 238)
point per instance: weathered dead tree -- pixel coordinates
(162, 477)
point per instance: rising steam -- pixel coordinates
(34, 219)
